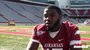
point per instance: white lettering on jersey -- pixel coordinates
(53, 45)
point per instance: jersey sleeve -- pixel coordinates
(73, 34)
(35, 36)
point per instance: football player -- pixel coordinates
(54, 34)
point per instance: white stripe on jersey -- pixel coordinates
(75, 42)
(35, 41)
(77, 32)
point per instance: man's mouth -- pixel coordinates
(47, 23)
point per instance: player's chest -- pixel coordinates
(58, 41)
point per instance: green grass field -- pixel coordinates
(17, 26)
(85, 35)
(13, 42)
(19, 42)
(84, 28)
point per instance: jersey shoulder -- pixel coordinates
(72, 31)
(69, 25)
(38, 31)
(40, 26)
(70, 28)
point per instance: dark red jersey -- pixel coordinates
(67, 36)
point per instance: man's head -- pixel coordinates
(52, 16)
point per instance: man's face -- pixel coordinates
(51, 16)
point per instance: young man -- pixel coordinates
(54, 34)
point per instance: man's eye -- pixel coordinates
(46, 16)
(50, 15)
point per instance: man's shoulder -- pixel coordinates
(40, 26)
(69, 24)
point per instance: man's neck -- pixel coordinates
(55, 28)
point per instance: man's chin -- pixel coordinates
(49, 27)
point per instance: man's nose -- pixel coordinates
(47, 18)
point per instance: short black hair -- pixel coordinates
(54, 7)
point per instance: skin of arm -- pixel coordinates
(33, 46)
